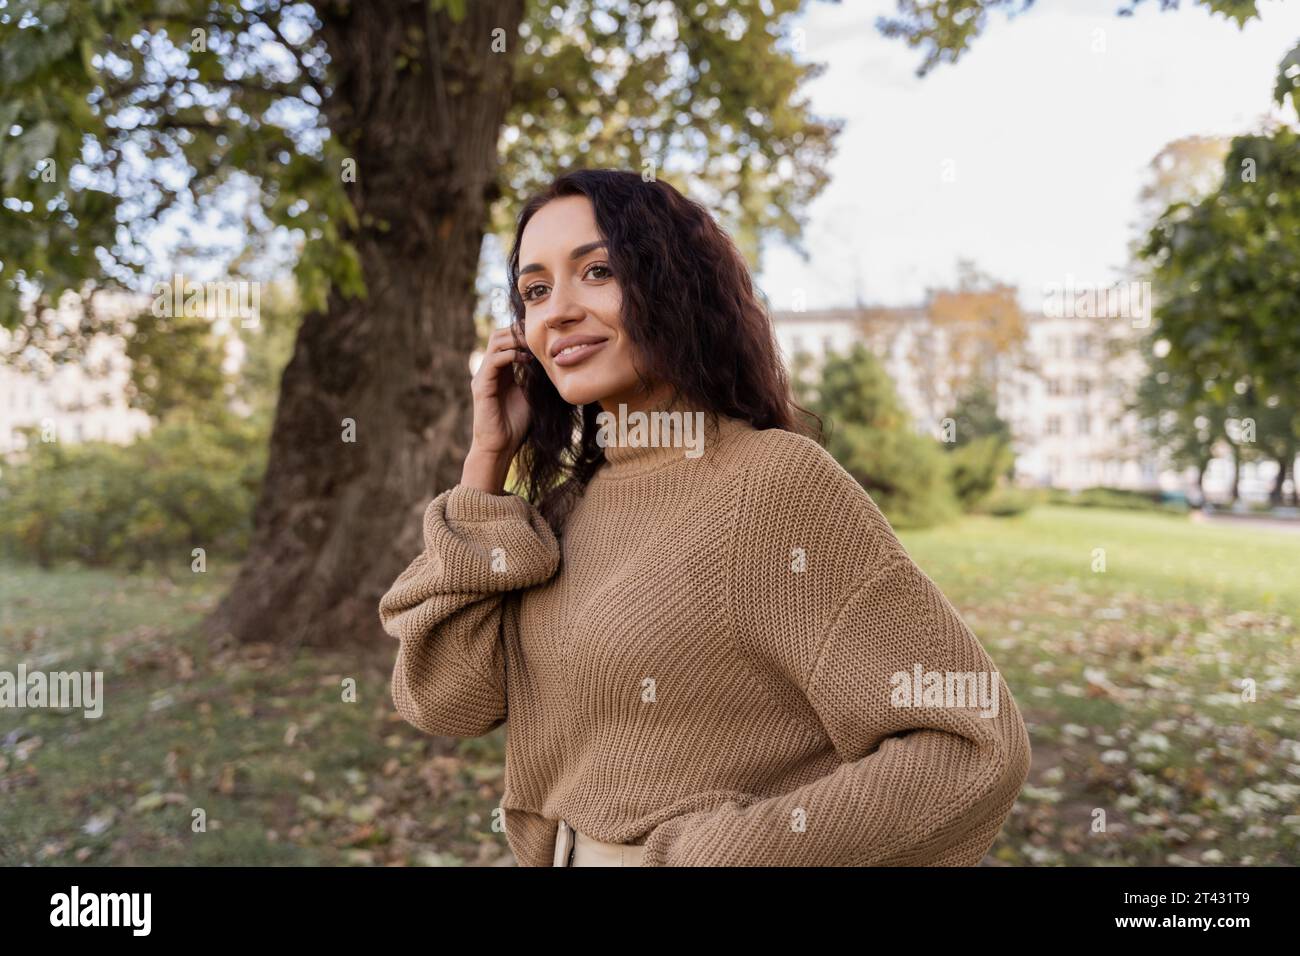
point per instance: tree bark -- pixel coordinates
(418, 101)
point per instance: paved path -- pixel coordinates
(1285, 525)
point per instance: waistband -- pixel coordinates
(575, 848)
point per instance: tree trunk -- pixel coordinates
(1236, 474)
(1275, 496)
(336, 520)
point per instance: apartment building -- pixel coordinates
(71, 403)
(1063, 393)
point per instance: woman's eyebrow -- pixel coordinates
(577, 253)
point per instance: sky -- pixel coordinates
(1026, 156)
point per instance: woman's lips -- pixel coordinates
(579, 354)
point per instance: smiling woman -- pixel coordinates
(665, 305)
(697, 653)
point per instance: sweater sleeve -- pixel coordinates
(827, 598)
(449, 609)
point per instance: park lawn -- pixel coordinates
(284, 770)
(1130, 676)
(1130, 681)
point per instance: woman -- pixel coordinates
(713, 648)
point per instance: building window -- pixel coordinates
(1085, 424)
(1082, 347)
(1057, 347)
(1053, 424)
(1053, 386)
(1082, 387)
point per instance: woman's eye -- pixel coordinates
(527, 295)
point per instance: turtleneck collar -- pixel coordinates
(637, 442)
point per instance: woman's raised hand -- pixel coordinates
(501, 413)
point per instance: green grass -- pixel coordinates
(257, 744)
(1129, 678)
(1130, 672)
(1167, 557)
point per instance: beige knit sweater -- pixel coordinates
(708, 662)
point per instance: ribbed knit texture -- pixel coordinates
(675, 679)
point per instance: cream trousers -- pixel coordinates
(575, 848)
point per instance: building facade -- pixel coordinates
(71, 403)
(1064, 393)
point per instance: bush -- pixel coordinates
(187, 484)
(976, 467)
(1006, 501)
(871, 436)
(904, 473)
(1125, 498)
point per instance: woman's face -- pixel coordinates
(573, 299)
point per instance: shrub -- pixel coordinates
(976, 467)
(903, 472)
(1007, 501)
(187, 484)
(1126, 498)
(871, 436)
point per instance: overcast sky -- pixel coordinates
(1046, 141)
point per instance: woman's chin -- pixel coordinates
(580, 389)
(580, 393)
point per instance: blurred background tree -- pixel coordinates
(176, 362)
(871, 435)
(945, 29)
(1179, 418)
(981, 455)
(982, 327)
(1227, 269)
(190, 483)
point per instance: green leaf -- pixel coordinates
(1288, 79)
(455, 8)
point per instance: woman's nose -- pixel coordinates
(563, 304)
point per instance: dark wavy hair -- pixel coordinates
(690, 311)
